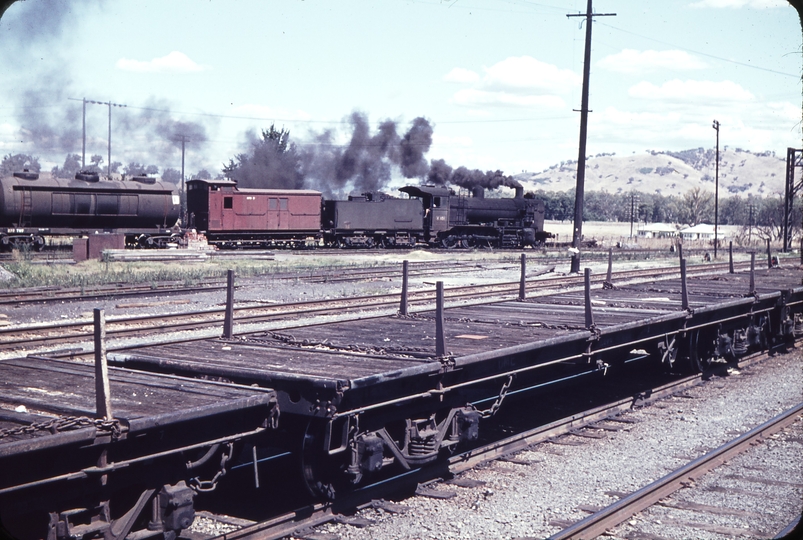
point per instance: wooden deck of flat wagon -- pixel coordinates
(68, 472)
(375, 393)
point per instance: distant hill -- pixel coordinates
(669, 173)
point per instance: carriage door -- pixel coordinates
(228, 213)
(278, 213)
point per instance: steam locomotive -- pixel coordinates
(434, 216)
(146, 211)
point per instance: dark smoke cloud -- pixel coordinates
(415, 144)
(158, 136)
(367, 161)
(442, 174)
(34, 35)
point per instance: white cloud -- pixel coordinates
(738, 4)
(526, 74)
(632, 61)
(692, 91)
(473, 96)
(461, 75)
(521, 81)
(175, 62)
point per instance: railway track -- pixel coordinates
(326, 275)
(65, 334)
(303, 521)
(631, 505)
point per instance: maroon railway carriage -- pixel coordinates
(237, 217)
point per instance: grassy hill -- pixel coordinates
(669, 173)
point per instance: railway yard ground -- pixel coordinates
(538, 491)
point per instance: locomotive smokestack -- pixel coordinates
(478, 192)
(519, 192)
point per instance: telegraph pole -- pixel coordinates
(83, 139)
(183, 139)
(581, 159)
(716, 192)
(110, 105)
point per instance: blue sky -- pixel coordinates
(498, 80)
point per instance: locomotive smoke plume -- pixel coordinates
(442, 174)
(365, 163)
(50, 124)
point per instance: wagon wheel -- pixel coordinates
(319, 470)
(699, 350)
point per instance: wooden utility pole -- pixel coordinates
(581, 159)
(716, 125)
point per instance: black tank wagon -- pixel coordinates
(32, 208)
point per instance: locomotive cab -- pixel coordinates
(435, 201)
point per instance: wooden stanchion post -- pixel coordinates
(684, 291)
(103, 402)
(228, 321)
(522, 282)
(440, 338)
(730, 256)
(589, 315)
(403, 303)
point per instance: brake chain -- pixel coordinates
(66, 423)
(487, 413)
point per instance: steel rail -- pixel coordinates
(622, 510)
(194, 320)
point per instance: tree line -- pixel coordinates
(693, 207)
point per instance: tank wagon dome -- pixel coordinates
(25, 174)
(87, 176)
(143, 179)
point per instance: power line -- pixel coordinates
(701, 53)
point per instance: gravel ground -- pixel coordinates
(520, 501)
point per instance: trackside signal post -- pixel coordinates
(581, 159)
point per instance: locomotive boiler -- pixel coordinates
(32, 207)
(453, 220)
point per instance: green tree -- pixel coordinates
(272, 163)
(18, 162)
(72, 164)
(697, 206)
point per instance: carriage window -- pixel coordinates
(282, 204)
(272, 204)
(228, 202)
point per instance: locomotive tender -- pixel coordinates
(32, 208)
